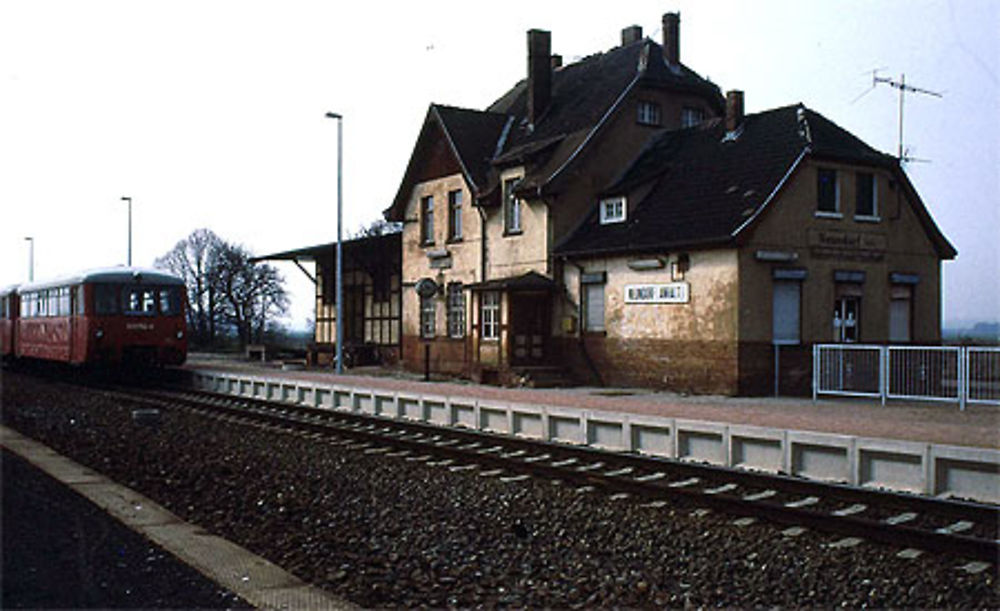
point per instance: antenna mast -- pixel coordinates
(903, 89)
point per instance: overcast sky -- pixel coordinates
(211, 113)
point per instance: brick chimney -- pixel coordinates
(672, 39)
(734, 109)
(539, 73)
(632, 33)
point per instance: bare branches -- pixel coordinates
(226, 292)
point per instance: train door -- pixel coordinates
(77, 326)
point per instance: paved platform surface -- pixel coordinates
(931, 422)
(61, 551)
(74, 539)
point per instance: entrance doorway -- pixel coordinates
(530, 326)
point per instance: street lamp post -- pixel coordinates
(31, 258)
(129, 200)
(340, 258)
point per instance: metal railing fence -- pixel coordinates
(926, 373)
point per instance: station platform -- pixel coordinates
(74, 539)
(978, 426)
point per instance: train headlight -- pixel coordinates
(99, 334)
(180, 335)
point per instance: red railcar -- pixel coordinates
(9, 311)
(117, 316)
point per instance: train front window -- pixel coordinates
(170, 303)
(139, 301)
(105, 299)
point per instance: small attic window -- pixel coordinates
(648, 113)
(691, 116)
(613, 210)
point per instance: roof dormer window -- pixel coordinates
(613, 210)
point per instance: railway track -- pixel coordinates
(916, 524)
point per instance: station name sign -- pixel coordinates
(674, 292)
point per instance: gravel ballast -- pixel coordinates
(383, 531)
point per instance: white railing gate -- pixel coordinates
(926, 373)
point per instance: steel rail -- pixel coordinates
(628, 473)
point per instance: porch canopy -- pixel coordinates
(371, 253)
(530, 281)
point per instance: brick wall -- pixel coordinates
(756, 370)
(446, 355)
(697, 367)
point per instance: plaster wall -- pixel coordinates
(443, 260)
(892, 241)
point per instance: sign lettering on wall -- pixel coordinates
(847, 245)
(674, 292)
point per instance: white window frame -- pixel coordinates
(490, 315)
(428, 317)
(648, 113)
(614, 210)
(590, 312)
(847, 330)
(691, 116)
(456, 310)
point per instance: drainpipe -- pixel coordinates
(482, 243)
(579, 335)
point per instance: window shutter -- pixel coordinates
(785, 313)
(595, 306)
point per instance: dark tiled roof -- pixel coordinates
(582, 95)
(584, 91)
(474, 135)
(705, 189)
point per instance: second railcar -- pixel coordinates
(9, 311)
(114, 316)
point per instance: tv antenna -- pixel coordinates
(903, 90)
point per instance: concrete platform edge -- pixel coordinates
(257, 581)
(908, 466)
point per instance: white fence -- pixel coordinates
(927, 373)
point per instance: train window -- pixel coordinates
(64, 302)
(78, 302)
(170, 303)
(140, 301)
(105, 299)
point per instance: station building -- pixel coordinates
(726, 250)
(618, 221)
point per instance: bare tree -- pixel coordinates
(193, 260)
(376, 228)
(225, 291)
(252, 294)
